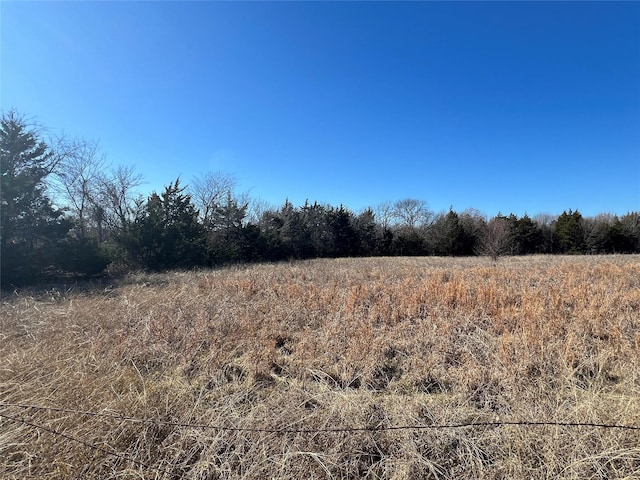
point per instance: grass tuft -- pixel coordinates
(329, 344)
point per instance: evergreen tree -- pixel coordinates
(569, 232)
(528, 237)
(408, 242)
(167, 234)
(31, 228)
(545, 224)
(448, 237)
(472, 222)
(299, 226)
(293, 233)
(226, 238)
(624, 234)
(345, 241)
(318, 235)
(82, 256)
(367, 231)
(270, 227)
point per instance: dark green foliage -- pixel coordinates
(345, 241)
(254, 246)
(527, 235)
(448, 237)
(367, 232)
(83, 256)
(453, 233)
(270, 226)
(314, 231)
(471, 222)
(408, 242)
(624, 235)
(228, 239)
(166, 233)
(467, 239)
(294, 232)
(31, 228)
(546, 225)
(384, 245)
(316, 238)
(569, 233)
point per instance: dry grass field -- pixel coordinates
(260, 372)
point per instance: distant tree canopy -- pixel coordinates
(65, 211)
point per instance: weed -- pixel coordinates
(329, 344)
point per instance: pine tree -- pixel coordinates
(570, 233)
(167, 233)
(345, 241)
(528, 236)
(227, 236)
(31, 228)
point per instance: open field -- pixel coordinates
(369, 344)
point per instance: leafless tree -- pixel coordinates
(631, 223)
(209, 190)
(596, 231)
(256, 207)
(413, 213)
(495, 238)
(545, 222)
(384, 214)
(118, 199)
(77, 173)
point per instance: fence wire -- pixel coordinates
(124, 418)
(90, 445)
(375, 428)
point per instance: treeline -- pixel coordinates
(64, 211)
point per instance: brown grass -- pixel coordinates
(330, 344)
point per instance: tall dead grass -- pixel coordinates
(330, 344)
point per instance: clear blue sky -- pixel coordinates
(501, 106)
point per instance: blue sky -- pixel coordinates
(500, 106)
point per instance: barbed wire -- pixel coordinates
(93, 446)
(148, 467)
(433, 426)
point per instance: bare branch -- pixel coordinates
(413, 213)
(384, 213)
(118, 196)
(209, 190)
(495, 238)
(77, 173)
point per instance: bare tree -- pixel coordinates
(631, 223)
(413, 213)
(118, 198)
(78, 171)
(209, 190)
(545, 222)
(495, 238)
(256, 207)
(384, 213)
(597, 232)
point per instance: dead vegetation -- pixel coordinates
(330, 344)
